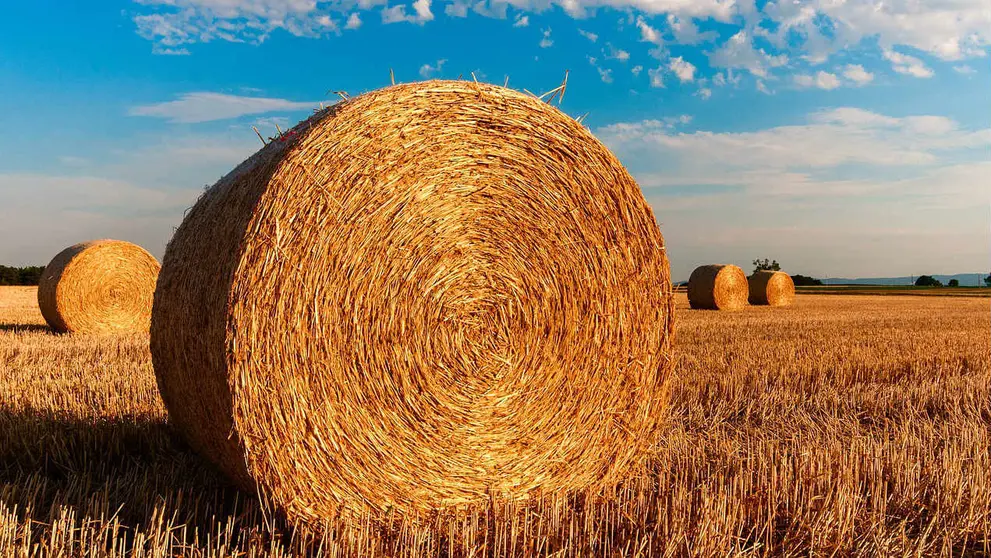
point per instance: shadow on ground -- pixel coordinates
(135, 466)
(19, 328)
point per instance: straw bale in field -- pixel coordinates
(102, 286)
(717, 287)
(774, 288)
(419, 297)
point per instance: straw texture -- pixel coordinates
(718, 287)
(425, 296)
(773, 288)
(102, 286)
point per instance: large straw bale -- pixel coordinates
(424, 296)
(717, 287)
(773, 288)
(101, 286)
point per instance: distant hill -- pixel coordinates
(966, 280)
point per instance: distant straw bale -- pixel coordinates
(773, 288)
(428, 295)
(102, 286)
(717, 287)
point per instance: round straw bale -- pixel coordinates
(101, 286)
(774, 288)
(420, 297)
(717, 287)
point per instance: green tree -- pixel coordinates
(953, 283)
(927, 281)
(766, 265)
(20, 275)
(803, 281)
(987, 280)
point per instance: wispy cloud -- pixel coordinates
(206, 106)
(647, 33)
(396, 14)
(684, 70)
(905, 64)
(857, 74)
(546, 41)
(656, 76)
(613, 53)
(137, 193)
(588, 35)
(822, 80)
(829, 138)
(823, 183)
(427, 71)
(354, 21)
(739, 52)
(812, 30)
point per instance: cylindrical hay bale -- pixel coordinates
(771, 288)
(420, 297)
(102, 286)
(717, 287)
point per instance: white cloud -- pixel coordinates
(739, 52)
(822, 80)
(656, 77)
(826, 80)
(636, 70)
(588, 35)
(705, 93)
(354, 21)
(829, 138)
(613, 53)
(762, 87)
(857, 74)
(605, 75)
(522, 21)
(905, 64)
(427, 71)
(75, 207)
(457, 9)
(949, 29)
(812, 30)
(683, 69)
(964, 69)
(546, 41)
(686, 32)
(166, 51)
(821, 186)
(396, 14)
(272, 123)
(647, 33)
(137, 193)
(205, 107)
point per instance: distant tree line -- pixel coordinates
(930, 281)
(29, 275)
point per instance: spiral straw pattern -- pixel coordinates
(425, 296)
(718, 287)
(771, 288)
(101, 287)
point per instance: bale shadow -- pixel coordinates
(18, 328)
(134, 468)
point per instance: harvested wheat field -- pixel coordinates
(839, 425)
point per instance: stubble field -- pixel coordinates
(843, 425)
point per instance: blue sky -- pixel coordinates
(841, 138)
